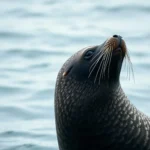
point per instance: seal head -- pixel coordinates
(100, 63)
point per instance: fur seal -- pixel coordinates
(92, 111)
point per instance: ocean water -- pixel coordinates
(36, 38)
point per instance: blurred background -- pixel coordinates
(36, 38)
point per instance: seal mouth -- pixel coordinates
(118, 50)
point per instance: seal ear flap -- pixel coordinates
(68, 69)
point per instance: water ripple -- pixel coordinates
(14, 35)
(37, 38)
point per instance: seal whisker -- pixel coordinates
(125, 62)
(105, 63)
(110, 61)
(101, 72)
(101, 64)
(94, 64)
(127, 66)
(98, 69)
(96, 61)
(130, 66)
(104, 52)
(128, 59)
(96, 55)
(102, 68)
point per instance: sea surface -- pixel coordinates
(36, 38)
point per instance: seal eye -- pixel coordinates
(88, 54)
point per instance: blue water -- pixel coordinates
(36, 37)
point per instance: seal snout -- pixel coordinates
(116, 44)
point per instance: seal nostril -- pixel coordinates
(115, 35)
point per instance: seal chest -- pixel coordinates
(91, 110)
